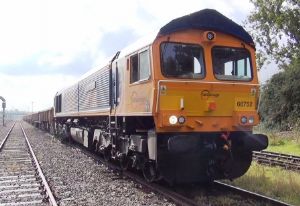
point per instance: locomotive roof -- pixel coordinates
(207, 19)
(139, 44)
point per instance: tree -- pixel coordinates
(280, 99)
(275, 26)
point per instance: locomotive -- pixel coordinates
(179, 105)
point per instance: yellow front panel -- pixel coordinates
(196, 98)
(170, 102)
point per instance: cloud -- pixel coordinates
(19, 26)
(47, 64)
(117, 40)
(21, 91)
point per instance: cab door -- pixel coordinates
(114, 83)
(140, 85)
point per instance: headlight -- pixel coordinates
(173, 119)
(181, 119)
(244, 120)
(251, 120)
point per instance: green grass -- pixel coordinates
(283, 142)
(287, 147)
(273, 182)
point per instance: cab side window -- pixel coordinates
(134, 68)
(139, 66)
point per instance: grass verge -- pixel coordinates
(271, 181)
(287, 142)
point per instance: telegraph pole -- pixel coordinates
(3, 107)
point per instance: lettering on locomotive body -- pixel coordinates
(205, 94)
(244, 104)
(135, 98)
(139, 102)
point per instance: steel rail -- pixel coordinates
(293, 158)
(51, 198)
(5, 138)
(168, 193)
(254, 195)
(286, 161)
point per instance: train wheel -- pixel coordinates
(124, 162)
(51, 129)
(93, 146)
(107, 154)
(149, 171)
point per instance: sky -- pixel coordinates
(46, 45)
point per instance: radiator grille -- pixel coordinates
(70, 99)
(94, 91)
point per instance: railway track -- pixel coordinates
(247, 194)
(21, 179)
(177, 197)
(285, 161)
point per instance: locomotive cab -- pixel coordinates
(207, 97)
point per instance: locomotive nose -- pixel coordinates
(256, 142)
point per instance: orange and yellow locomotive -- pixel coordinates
(179, 105)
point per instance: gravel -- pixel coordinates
(4, 129)
(77, 179)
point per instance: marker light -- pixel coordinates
(212, 106)
(173, 119)
(244, 120)
(181, 119)
(251, 120)
(210, 35)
